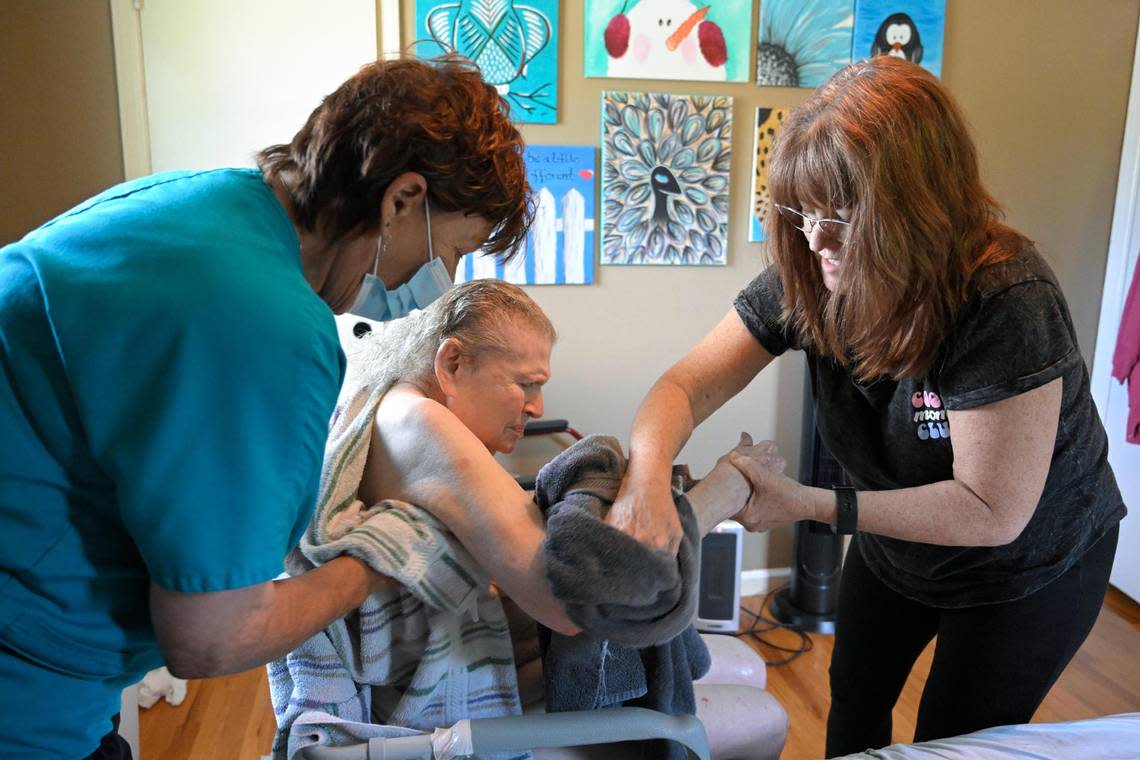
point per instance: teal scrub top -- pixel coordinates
(166, 379)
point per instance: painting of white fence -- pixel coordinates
(560, 247)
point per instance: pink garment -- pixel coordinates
(1126, 358)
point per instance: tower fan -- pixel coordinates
(809, 600)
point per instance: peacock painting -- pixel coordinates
(514, 44)
(665, 171)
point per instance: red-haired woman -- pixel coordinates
(948, 383)
(168, 366)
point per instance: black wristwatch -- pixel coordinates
(846, 510)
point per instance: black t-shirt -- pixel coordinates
(1013, 335)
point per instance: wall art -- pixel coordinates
(665, 178)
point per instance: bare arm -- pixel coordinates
(445, 469)
(1002, 453)
(435, 462)
(219, 632)
(719, 494)
(713, 371)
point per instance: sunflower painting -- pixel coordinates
(803, 42)
(665, 170)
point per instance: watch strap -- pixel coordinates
(846, 510)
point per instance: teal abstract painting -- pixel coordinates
(803, 42)
(513, 42)
(706, 40)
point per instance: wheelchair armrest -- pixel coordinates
(578, 728)
(527, 732)
(390, 748)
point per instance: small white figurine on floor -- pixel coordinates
(159, 684)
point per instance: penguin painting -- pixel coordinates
(898, 36)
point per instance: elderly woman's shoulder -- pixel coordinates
(407, 410)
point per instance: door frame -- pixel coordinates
(1123, 244)
(134, 130)
(130, 74)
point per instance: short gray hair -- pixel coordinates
(474, 313)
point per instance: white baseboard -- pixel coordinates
(763, 580)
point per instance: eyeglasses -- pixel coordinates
(835, 229)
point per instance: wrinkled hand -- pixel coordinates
(648, 514)
(765, 453)
(775, 499)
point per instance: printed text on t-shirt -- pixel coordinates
(930, 418)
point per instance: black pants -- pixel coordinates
(993, 664)
(113, 746)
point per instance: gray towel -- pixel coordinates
(635, 606)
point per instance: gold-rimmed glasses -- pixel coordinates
(835, 229)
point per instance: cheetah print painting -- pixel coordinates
(768, 122)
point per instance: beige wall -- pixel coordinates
(1046, 93)
(1044, 84)
(59, 113)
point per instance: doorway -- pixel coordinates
(1111, 397)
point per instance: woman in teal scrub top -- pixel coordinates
(168, 366)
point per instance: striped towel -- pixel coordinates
(430, 653)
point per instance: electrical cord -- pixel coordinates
(771, 625)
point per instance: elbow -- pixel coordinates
(565, 627)
(1005, 531)
(209, 658)
(1005, 534)
(191, 662)
(676, 385)
(200, 650)
(204, 652)
(555, 618)
(208, 651)
(188, 671)
(1002, 520)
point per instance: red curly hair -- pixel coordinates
(437, 118)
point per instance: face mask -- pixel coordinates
(376, 302)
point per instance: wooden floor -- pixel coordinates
(1103, 679)
(231, 718)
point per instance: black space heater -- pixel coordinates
(808, 602)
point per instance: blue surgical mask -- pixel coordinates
(376, 302)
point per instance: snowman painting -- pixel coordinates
(665, 39)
